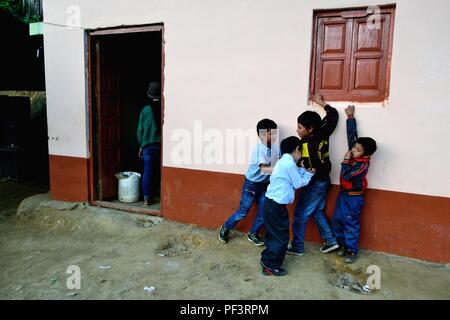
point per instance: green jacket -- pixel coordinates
(147, 131)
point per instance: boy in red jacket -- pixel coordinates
(346, 216)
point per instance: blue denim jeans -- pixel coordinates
(251, 191)
(276, 222)
(151, 154)
(311, 202)
(345, 222)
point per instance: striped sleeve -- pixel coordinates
(349, 172)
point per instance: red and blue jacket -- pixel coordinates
(354, 171)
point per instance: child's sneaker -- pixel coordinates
(274, 272)
(253, 237)
(328, 247)
(293, 252)
(341, 252)
(350, 257)
(224, 234)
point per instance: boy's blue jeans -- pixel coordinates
(276, 222)
(346, 222)
(251, 191)
(151, 154)
(311, 202)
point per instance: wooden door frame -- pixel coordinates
(92, 175)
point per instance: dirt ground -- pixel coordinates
(119, 254)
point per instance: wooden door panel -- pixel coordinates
(108, 110)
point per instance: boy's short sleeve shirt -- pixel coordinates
(261, 155)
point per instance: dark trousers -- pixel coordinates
(346, 220)
(276, 222)
(151, 177)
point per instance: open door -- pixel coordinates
(122, 63)
(107, 93)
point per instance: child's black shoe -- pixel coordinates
(274, 272)
(224, 234)
(328, 247)
(293, 252)
(350, 257)
(253, 237)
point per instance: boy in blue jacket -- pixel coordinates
(346, 216)
(286, 177)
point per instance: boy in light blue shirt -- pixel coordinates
(263, 158)
(285, 178)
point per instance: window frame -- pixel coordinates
(353, 14)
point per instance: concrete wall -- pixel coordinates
(231, 63)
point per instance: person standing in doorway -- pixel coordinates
(149, 139)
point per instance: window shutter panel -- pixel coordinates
(370, 46)
(351, 54)
(333, 55)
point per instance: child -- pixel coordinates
(256, 180)
(314, 133)
(286, 177)
(349, 203)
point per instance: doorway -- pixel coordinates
(122, 63)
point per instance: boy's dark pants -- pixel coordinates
(346, 222)
(276, 222)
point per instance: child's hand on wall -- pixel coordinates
(350, 110)
(319, 100)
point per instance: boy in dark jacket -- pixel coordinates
(314, 134)
(345, 222)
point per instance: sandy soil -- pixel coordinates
(119, 254)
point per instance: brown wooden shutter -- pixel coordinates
(333, 55)
(351, 56)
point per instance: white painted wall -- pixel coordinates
(65, 89)
(231, 63)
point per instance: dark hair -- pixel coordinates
(369, 145)
(310, 119)
(265, 124)
(289, 144)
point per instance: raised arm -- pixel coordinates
(329, 122)
(352, 132)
